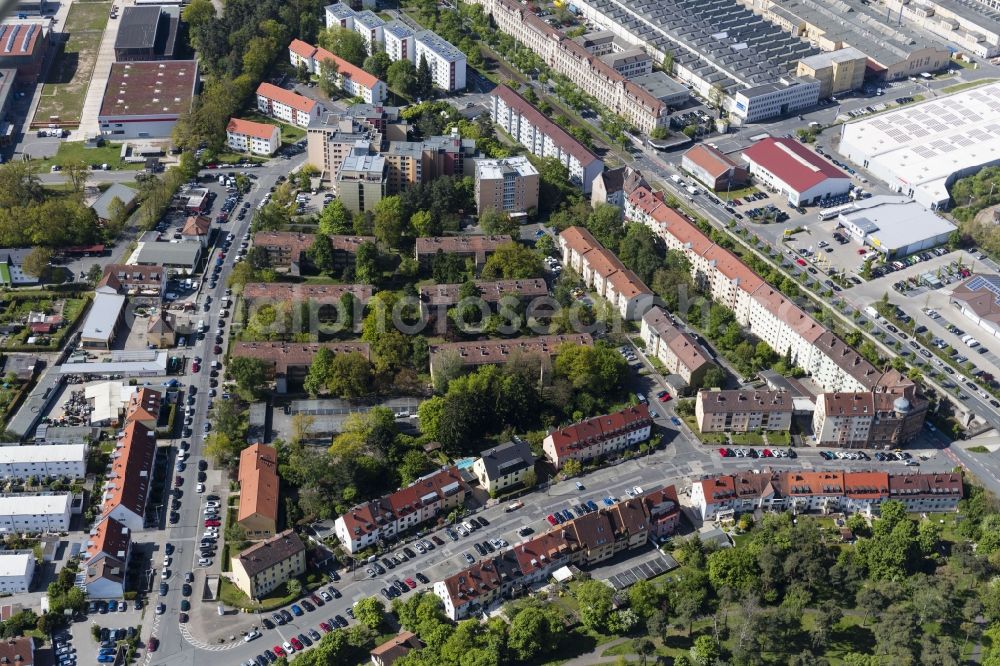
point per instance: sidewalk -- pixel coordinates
(89, 125)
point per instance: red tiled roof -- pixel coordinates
(198, 225)
(132, 470)
(286, 97)
(792, 163)
(443, 483)
(258, 477)
(109, 537)
(144, 405)
(712, 160)
(294, 354)
(556, 134)
(300, 48)
(599, 428)
(251, 128)
(322, 294)
(344, 68)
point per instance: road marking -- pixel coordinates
(201, 645)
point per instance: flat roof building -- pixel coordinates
(21, 462)
(106, 315)
(795, 171)
(147, 33)
(837, 71)
(180, 257)
(920, 149)
(662, 87)
(447, 63)
(145, 99)
(35, 513)
(974, 27)
(895, 226)
(16, 572)
(361, 180)
(509, 185)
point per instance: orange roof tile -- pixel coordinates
(258, 477)
(251, 128)
(286, 97)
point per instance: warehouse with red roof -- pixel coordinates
(795, 171)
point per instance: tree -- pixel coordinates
(644, 598)
(36, 262)
(250, 374)
(220, 448)
(424, 84)
(389, 221)
(668, 62)
(595, 599)
(401, 76)
(117, 217)
(350, 376)
(705, 651)
(513, 261)
(605, 223)
(377, 64)
(76, 171)
(735, 568)
(366, 264)
(335, 219)
(424, 224)
(370, 612)
(320, 254)
(198, 13)
(329, 77)
(572, 467)
(714, 377)
(94, 274)
(498, 222)
(344, 43)
(319, 371)
(533, 632)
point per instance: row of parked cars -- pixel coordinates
(754, 453)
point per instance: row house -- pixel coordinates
(475, 353)
(674, 347)
(286, 249)
(543, 137)
(585, 541)
(288, 362)
(425, 499)
(595, 77)
(106, 556)
(824, 491)
(477, 248)
(743, 410)
(352, 79)
(603, 272)
(599, 436)
(128, 485)
(286, 106)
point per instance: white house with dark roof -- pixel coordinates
(503, 467)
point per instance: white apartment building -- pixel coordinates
(400, 42)
(383, 518)
(20, 462)
(339, 15)
(35, 514)
(353, 80)
(542, 137)
(603, 272)
(16, 571)
(447, 63)
(246, 136)
(286, 106)
(368, 24)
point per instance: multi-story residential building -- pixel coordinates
(503, 351)
(599, 436)
(143, 407)
(504, 467)
(368, 24)
(886, 418)
(613, 186)
(477, 248)
(584, 541)
(323, 296)
(17, 568)
(595, 77)
(267, 564)
(675, 348)
(437, 298)
(258, 478)
(362, 180)
(399, 41)
(286, 106)
(35, 513)
(353, 80)
(21, 462)
(413, 162)
(824, 491)
(246, 136)
(713, 169)
(425, 499)
(288, 362)
(447, 63)
(334, 136)
(509, 184)
(128, 484)
(339, 15)
(542, 137)
(603, 272)
(106, 558)
(285, 249)
(145, 285)
(743, 410)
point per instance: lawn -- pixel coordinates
(232, 596)
(706, 437)
(748, 438)
(779, 438)
(65, 87)
(736, 194)
(968, 84)
(75, 151)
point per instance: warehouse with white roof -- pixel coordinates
(895, 226)
(920, 149)
(20, 462)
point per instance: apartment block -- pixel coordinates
(399, 41)
(884, 419)
(17, 568)
(288, 362)
(509, 185)
(427, 498)
(352, 79)
(368, 24)
(362, 180)
(246, 136)
(35, 514)
(603, 272)
(542, 137)
(504, 467)
(503, 351)
(824, 492)
(22, 462)
(599, 436)
(447, 63)
(127, 486)
(743, 411)
(477, 248)
(286, 106)
(435, 299)
(614, 186)
(108, 549)
(258, 479)
(285, 249)
(594, 76)
(674, 347)
(267, 564)
(339, 15)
